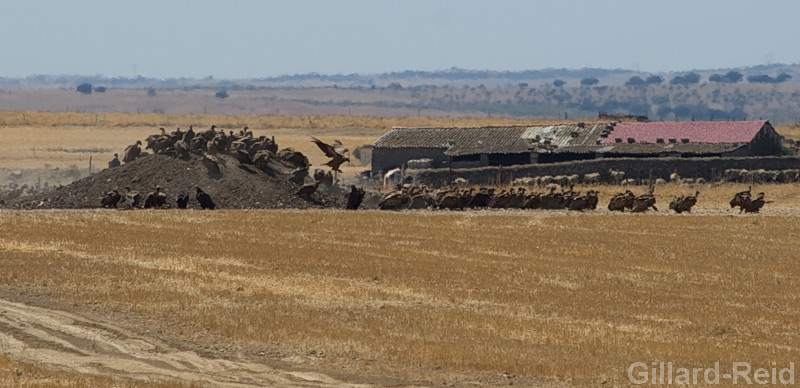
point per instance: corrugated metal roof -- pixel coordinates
(695, 131)
(491, 140)
(654, 148)
(565, 135)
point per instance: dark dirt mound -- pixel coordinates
(235, 187)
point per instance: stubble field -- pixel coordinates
(421, 298)
(333, 298)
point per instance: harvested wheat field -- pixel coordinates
(334, 298)
(330, 298)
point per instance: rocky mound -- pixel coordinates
(235, 186)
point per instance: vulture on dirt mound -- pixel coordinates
(306, 191)
(132, 152)
(114, 162)
(212, 164)
(204, 200)
(242, 156)
(335, 152)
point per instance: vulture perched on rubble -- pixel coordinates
(132, 152)
(114, 162)
(306, 191)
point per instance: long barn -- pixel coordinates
(519, 145)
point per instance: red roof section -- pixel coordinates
(695, 131)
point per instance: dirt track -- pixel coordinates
(64, 340)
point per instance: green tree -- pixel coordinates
(654, 80)
(85, 88)
(589, 81)
(686, 79)
(730, 77)
(635, 81)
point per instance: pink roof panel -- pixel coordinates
(695, 131)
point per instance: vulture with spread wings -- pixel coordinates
(336, 152)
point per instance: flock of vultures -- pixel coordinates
(556, 197)
(262, 153)
(252, 153)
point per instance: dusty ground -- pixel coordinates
(89, 344)
(385, 298)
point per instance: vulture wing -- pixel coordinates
(339, 147)
(326, 148)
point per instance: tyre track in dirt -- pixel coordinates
(63, 340)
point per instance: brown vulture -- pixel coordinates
(335, 152)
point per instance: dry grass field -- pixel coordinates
(333, 298)
(421, 298)
(46, 140)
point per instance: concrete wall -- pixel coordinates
(636, 168)
(385, 159)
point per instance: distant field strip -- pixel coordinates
(575, 297)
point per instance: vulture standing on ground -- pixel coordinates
(335, 152)
(682, 203)
(155, 199)
(132, 197)
(354, 198)
(756, 204)
(182, 200)
(111, 199)
(204, 200)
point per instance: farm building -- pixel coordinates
(734, 138)
(515, 145)
(479, 146)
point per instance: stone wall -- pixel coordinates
(636, 168)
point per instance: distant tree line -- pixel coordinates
(765, 79)
(730, 77)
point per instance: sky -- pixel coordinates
(262, 38)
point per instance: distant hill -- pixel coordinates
(767, 91)
(454, 77)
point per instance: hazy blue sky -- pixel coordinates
(259, 38)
